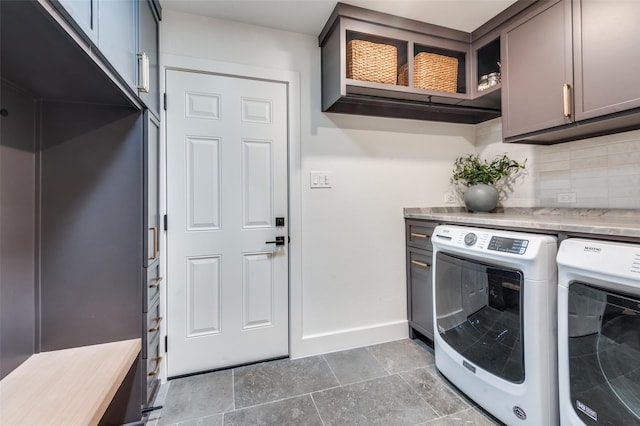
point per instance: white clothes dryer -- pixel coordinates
(599, 332)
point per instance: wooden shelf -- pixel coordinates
(66, 387)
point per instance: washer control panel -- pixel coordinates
(508, 245)
(477, 239)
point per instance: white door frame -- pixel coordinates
(292, 81)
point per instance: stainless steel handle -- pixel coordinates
(416, 235)
(566, 94)
(156, 282)
(421, 264)
(155, 242)
(143, 61)
(157, 369)
(157, 327)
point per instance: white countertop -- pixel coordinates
(622, 224)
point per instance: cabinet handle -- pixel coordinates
(155, 242)
(157, 369)
(566, 93)
(157, 327)
(416, 235)
(143, 61)
(421, 264)
(156, 282)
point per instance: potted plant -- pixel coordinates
(478, 179)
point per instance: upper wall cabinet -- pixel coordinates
(570, 71)
(84, 14)
(126, 35)
(606, 57)
(117, 36)
(537, 57)
(383, 65)
(149, 77)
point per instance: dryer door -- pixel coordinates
(604, 355)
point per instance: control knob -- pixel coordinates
(470, 239)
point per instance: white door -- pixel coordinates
(227, 286)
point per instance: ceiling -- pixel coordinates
(309, 16)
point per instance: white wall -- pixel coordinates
(353, 255)
(602, 172)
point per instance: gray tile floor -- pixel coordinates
(390, 384)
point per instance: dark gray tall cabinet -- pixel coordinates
(152, 279)
(570, 70)
(79, 195)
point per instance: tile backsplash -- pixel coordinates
(601, 172)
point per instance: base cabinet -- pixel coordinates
(420, 286)
(419, 277)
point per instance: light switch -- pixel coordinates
(321, 180)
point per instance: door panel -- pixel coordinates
(84, 14)
(607, 63)
(537, 55)
(203, 296)
(203, 184)
(117, 36)
(148, 43)
(227, 290)
(257, 184)
(257, 283)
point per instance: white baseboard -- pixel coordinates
(340, 340)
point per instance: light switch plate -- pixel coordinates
(321, 180)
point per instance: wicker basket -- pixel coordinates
(369, 61)
(432, 72)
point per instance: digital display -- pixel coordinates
(508, 245)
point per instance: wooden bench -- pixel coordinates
(66, 387)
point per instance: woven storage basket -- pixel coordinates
(369, 61)
(432, 72)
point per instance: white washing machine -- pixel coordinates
(495, 320)
(599, 332)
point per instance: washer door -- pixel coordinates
(478, 314)
(604, 355)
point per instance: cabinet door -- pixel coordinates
(117, 36)
(148, 43)
(84, 15)
(420, 291)
(152, 189)
(607, 57)
(537, 63)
